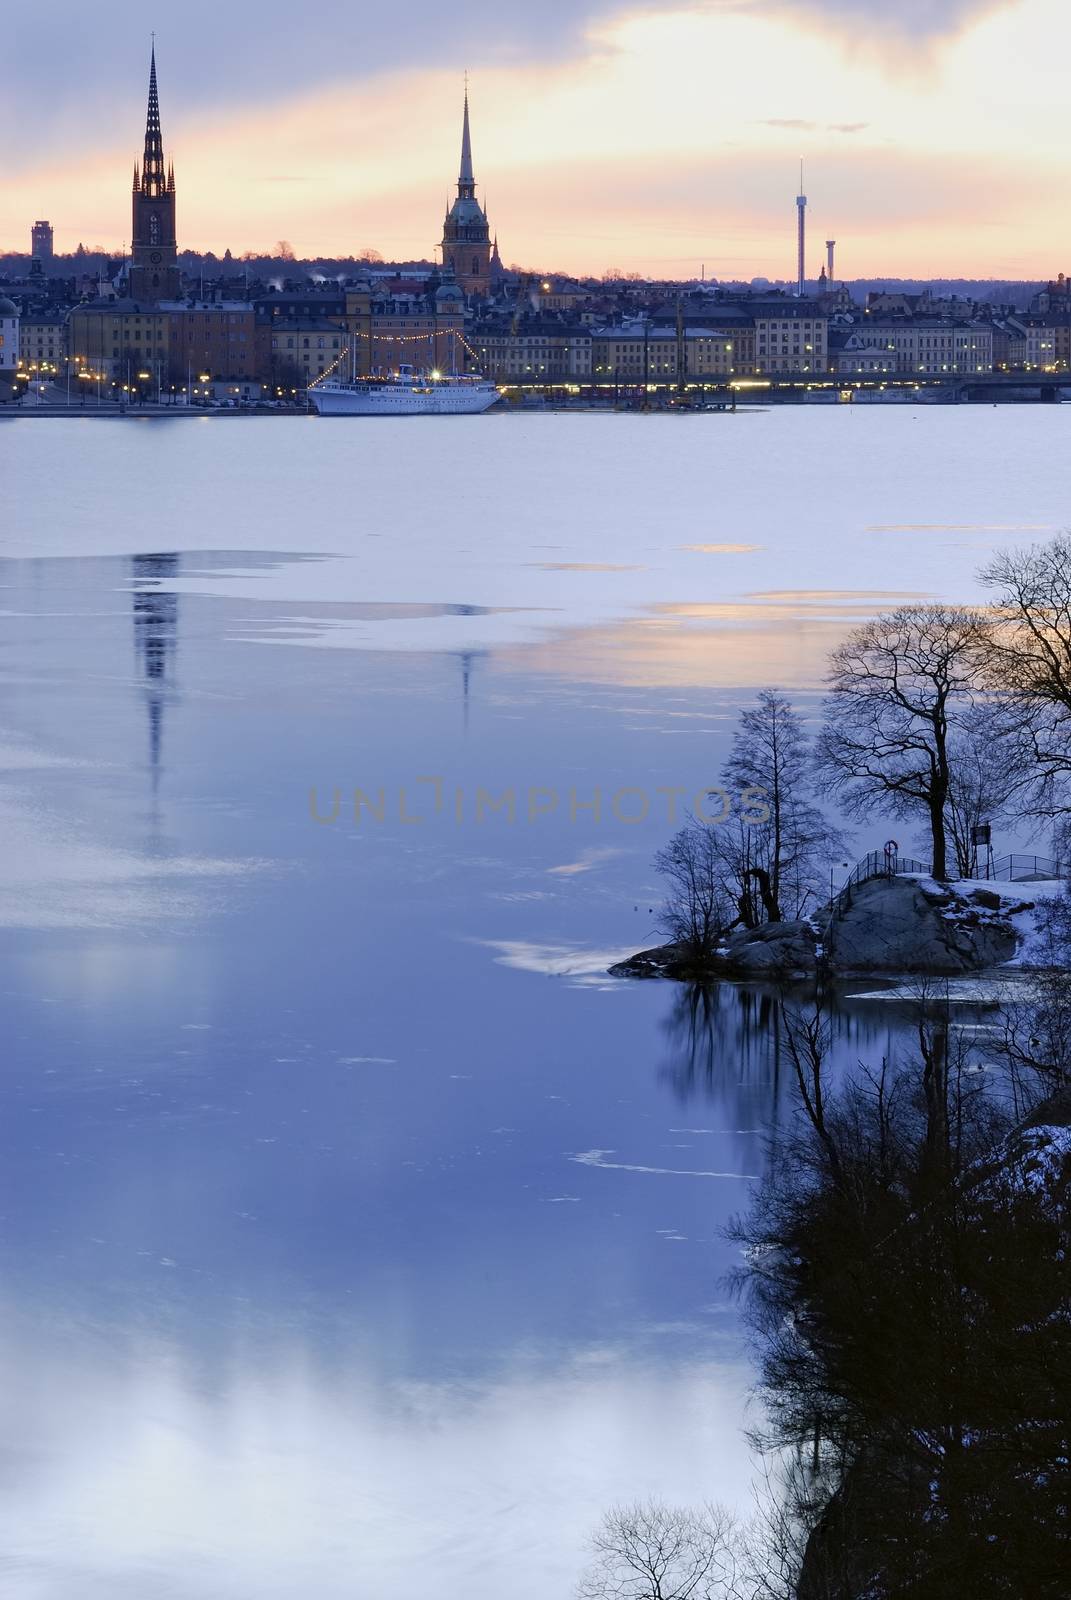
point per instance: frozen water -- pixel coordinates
(303, 1283)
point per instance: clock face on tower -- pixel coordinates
(155, 257)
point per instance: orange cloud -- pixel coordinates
(644, 151)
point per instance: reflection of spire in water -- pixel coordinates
(155, 635)
(468, 659)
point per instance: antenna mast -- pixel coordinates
(801, 245)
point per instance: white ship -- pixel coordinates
(405, 393)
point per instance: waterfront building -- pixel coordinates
(540, 351)
(1045, 343)
(790, 337)
(9, 347)
(1009, 344)
(466, 233)
(633, 352)
(115, 341)
(217, 337)
(302, 349)
(43, 342)
(931, 346)
(154, 272)
(945, 346)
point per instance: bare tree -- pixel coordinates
(791, 848)
(653, 1551)
(700, 907)
(985, 773)
(897, 684)
(1031, 655)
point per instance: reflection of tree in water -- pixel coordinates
(726, 1045)
(908, 1282)
(155, 638)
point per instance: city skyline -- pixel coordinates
(909, 121)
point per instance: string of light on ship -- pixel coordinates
(402, 338)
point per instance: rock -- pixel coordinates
(788, 948)
(653, 963)
(987, 898)
(913, 925)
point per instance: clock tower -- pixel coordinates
(154, 273)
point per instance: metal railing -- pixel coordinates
(1017, 867)
(877, 864)
(1022, 868)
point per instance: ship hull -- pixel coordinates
(402, 399)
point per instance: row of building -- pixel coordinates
(282, 340)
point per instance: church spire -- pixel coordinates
(466, 183)
(152, 167)
(154, 273)
(466, 237)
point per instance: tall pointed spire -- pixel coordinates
(466, 182)
(152, 166)
(466, 237)
(154, 273)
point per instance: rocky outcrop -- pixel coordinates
(777, 951)
(914, 925)
(904, 925)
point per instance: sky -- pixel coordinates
(662, 137)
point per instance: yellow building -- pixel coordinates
(116, 341)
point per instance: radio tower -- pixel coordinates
(801, 229)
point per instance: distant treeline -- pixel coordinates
(282, 260)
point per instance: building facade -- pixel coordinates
(632, 353)
(154, 272)
(214, 338)
(540, 353)
(789, 339)
(927, 346)
(123, 343)
(43, 343)
(302, 349)
(9, 347)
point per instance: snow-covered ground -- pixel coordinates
(1027, 905)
